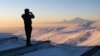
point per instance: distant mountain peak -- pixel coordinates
(75, 20)
(79, 20)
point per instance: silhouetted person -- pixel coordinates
(27, 17)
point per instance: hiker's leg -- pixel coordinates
(28, 35)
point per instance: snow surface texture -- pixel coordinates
(81, 34)
(8, 41)
(59, 51)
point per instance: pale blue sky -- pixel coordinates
(50, 9)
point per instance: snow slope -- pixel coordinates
(8, 41)
(59, 51)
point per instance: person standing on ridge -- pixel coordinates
(27, 18)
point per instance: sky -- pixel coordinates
(47, 10)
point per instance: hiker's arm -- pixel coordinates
(32, 15)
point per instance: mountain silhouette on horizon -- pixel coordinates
(75, 20)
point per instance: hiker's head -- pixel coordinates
(26, 11)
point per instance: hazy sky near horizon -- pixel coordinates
(47, 10)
